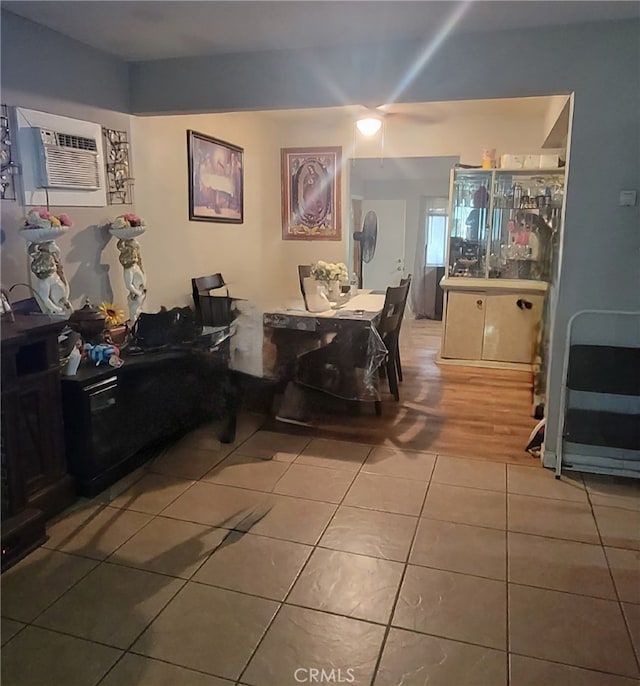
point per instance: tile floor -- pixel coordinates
(260, 562)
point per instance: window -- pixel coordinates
(435, 232)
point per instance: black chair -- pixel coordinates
(389, 329)
(304, 271)
(212, 310)
(406, 281)
(218, 311)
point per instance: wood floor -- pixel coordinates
(450, 410)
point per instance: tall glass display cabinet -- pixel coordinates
(504, 228)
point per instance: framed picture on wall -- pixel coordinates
(216, 179)
(311, 193)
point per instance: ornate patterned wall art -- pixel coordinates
(311, 194)
(119, 179)
(8, 167)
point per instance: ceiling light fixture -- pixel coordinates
(369, 126)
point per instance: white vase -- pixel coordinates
(315, 298)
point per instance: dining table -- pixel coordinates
(336, 352)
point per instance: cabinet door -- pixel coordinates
(13, 497)
(40, 431)
(464, 326)
(511, 326)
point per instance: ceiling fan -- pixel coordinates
(369, 119)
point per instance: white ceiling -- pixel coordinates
(134, 30)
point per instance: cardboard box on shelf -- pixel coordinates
(531, 162)
(511, 161)
(549, 161)
(544, 161)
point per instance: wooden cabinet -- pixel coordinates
(35, 484)
(495, 325)
(464, 330)
(511, 325)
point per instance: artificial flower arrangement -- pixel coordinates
(40, 218)
(126, 221)
(112, 314)
(330, 271)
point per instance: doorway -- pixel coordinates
(396, 189)
(386, 267)
(539, 125)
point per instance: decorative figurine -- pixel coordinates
(51, 288)
(125, 228)
(103, 353)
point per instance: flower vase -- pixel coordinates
(333, 291)
(315, 298)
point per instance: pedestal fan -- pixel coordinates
(366, 241)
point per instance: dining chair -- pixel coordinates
(304, 271)
(403, 281)
(389, 329)
(213, 311)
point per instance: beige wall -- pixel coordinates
(175, 249)
(253, 258)
(463, 135)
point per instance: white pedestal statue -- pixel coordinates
(51, 286)
(135, 280)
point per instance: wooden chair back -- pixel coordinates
(406, 281)
(393, 310)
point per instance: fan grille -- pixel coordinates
(369, 236)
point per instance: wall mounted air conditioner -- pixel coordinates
(67, 160)
(61, 160)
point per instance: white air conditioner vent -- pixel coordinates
(78, 142)
(67, 160)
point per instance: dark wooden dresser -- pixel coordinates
(35, 483)
(115, 419)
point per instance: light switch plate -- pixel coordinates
(627, 198)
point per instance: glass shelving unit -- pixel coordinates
(504, 223)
